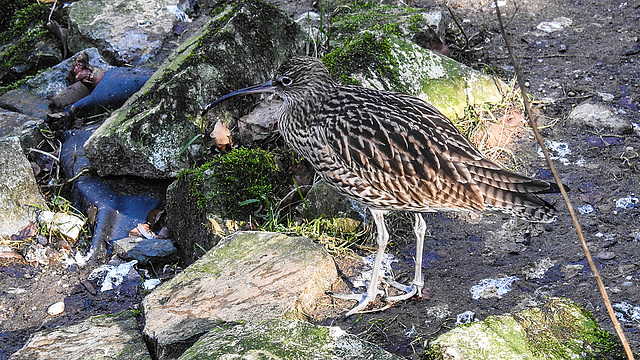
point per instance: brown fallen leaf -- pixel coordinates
(142, 230)
(26, 232)
(221, 135)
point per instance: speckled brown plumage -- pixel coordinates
(391, 151)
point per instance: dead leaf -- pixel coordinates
(26, 232)
(142, 230)
(221, 135)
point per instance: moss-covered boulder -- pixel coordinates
(249, 277)
(283, 339)
(210, 202)
(419, 25)
(556, 331)
(159, 131)
(394, 63)
(27, 45)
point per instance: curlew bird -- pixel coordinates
(391, 151)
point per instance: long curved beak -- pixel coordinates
(262, 88)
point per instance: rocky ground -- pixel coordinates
(594, 58)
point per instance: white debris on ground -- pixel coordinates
(489, 288)
(362, 280)
(56, 309)
(540, 269)
(465, 318)
(586, 209)
(151, 284)
(556, 25)
(628, 202)
(627, 312)
(112, 275)
(557, 151)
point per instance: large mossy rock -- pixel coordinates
(153, 134)
(248, 277)
(204, 203)
(556, 331)
(283, 339)
(394, 63)
(389, 47)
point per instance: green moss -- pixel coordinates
(350, 20)
(24, 30)
(363, 53)
(240, 182)
(570, 323)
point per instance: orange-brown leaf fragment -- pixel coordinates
(221, 135)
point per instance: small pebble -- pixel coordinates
(56, 309)
(606, 255)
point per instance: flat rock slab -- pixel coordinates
(249, 276)
(99, 337)
(283, 339)
(558, 330)
(145, 250)
(20, 196)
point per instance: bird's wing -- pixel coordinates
(396, 140)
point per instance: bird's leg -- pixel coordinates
(420, 228)
(372, 290)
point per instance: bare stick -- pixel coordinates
(587, 253)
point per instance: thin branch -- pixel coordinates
(44, 153)
(464, 34)
(587, 253)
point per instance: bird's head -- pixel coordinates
(298, 78)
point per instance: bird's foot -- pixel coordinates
(409, 290)
(363, 300)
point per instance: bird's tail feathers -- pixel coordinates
(526, 206)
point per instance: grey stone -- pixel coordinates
(24, 102)
(145, 250)
(20, 197)
(558, 330)
(153, 134)
(100, 337)
(250, 276)
(26, 128)
(323, 201)
(283, 339)
(125, 31)
(598, 116)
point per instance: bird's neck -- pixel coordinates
(298, 116)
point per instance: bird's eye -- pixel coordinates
(285, 80)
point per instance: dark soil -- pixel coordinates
(597, 54)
